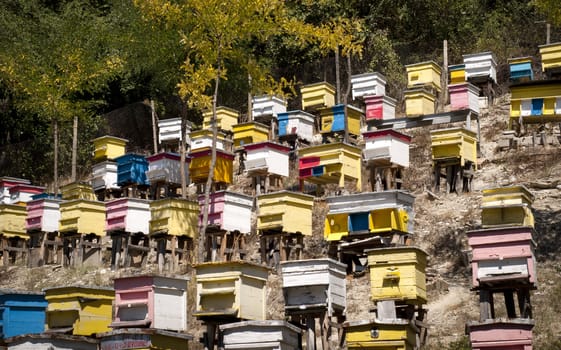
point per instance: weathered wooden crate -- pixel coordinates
(79, 310)
(331, 163)
(150, 301)
(267, 105)
(424, 74)
(296, 123)
(108, 147)
(43, 214)
(379, 107)
(131, 169)
(23, 193)
(521, 68)
(12, 221)
(398, 273)
(233, 290)
(174, 216)
(21, 313)
(143, 338)
(285, 211)
(51, 341)
(8, 182)
(266, 158)
(318, 95)
(368, 84)
(551, 56)
(82, 216)
(535, 101)
(507, 206)
(386, 147)
(169, 130)
(248, 133)
(454, 143)
(501, 256)
(419, 101)
(457, 73)
(480, 67)
(104, 176)
(332, 119)
(369, 213)
(464, 96)
(262, 335)
(201, 139)
(398, 334)
(511, 334)
(128, 215)
(314, 285)
(226, 118)
(166, 168)
(199, 166)
(77, 190)
(228, 211)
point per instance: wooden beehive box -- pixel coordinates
(77, 190)
(551, 56)
(398, 273)
(262, 335)
(169, 130)
(174, 216)
(79, 310)
(521, 68)
(228, 211)
(457, 73)
(199, 166)
(369, 213)
(233, 290)
(464, 96)
(419, 101)
(203, 139)
(127, 214)
(267, 105)
(82, 216)
(368, 84)
(502, 256)
(296, 124)
(266, 158)
(143, 338)
(165, 167)
(318, 95)
(332, 119)
(22, 313)
(535, 99)
(248, 133)
(23, 193)
(51, 341)
(386, 147)
(314, 285)
(398, 334)
(131, 169)
(108, 147)
(150, 301)
(515, 334)
(331, 163)
(454, 143)
(285, 211)
(226, 118)
(507, 206)
(104, 176)
(424, 74)
(480, 67)
(508, 195)
(6, 183)
(12, 221)
(43, 215)
(379, 107)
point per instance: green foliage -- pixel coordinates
(549, 8)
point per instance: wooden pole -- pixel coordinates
(444, 99)
(311, 332)
(74, 148)
(154, 127)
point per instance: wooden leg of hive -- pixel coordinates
(485, 305)
(263, 247)
(524, 303)
(310, 332)
(174, 254)
(509, 302)
(210, 336)
(450, 179)
(436, 174)
(161, 253)
(223, 245)
(325, 330)
(116, 242)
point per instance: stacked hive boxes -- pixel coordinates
(423, 83)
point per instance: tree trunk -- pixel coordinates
(183, 151)
(74, 148)
(155, 127)
(249, 101)
(55, 153)
(337, 75)
(346, 98)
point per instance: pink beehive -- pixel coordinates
(464, 96)
(127, 214)
(43, 215)
(502, 255)
(229, 211)
(499, 334)
(379, 107)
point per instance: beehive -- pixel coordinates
(199, 166)
(266, 158)
(424, 74)
(464, 96)
(12, 221)
(143, 338)
(174, 216)
(51, 341)
(169, 130)
(6, 183)
(128, 215)
(397, 334)
(22, 313)
(551, 56)
(267, 105)
(108, 147)
(419, 101)
(104, 176)
(248, 133)
(379, 107)
(521, 68)
(368, 213)
(269, 335)
(226, 118)
(368, 84)
(398, 273)
(296, 123)
(77, 190)
(150, 301)
(229, 211)
(536, 99)
(515, 334)
(165, 167)
(331, 163)
(203, 139)
(386, 147)
(318, 95)
(285, 211)
(233, 290)
(82, 216)
(23, 193)
(502, 256)
(454, 144)
(457, 73)
(314, 285)
(79, 310)
(480, 67)
(332, 119)
(43, 214)
(131, 169)
(507, 206)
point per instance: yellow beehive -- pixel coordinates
(108, 147)
(332, 119)
(174, 216)
(318, 95)
(79, 310)
(226, 118)
(77, 190)
(504, 196)
(199, 166)
(539, 99)
(398, 334)
(12, 221)
(424, 74)
(379, 221)
(551, 56)
(398, 273)
(285, 211)
(247, 133)
(507, 206)
(419, 102)
(457, 73)
(454, 144)
(231, 290)
(331, 163)
(82, 216)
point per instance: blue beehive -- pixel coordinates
(131, 169)
(521, 69)
(21, 313)
(359, 222)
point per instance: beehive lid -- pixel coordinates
(368, 201)
(503, 195)
(398, 254)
